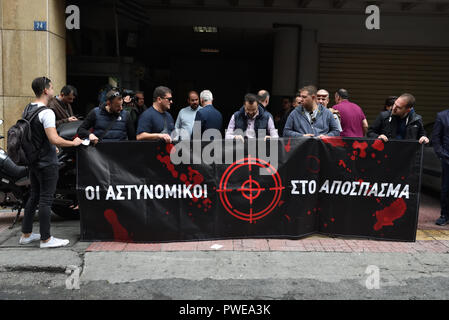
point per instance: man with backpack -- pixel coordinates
(39, 154)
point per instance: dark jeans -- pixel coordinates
(445, 189)
(43, 187)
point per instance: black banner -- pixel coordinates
(132, 191)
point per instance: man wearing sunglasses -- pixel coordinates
(109, 122)
(310, 119)
(156, 123)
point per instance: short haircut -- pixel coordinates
(39, 85)
(251, 98)
(160, 92)
(112, 94)
(68, 89)
(327, 92)
(390, 101)
(311, 90)
(343, 93)
(263, 95)
(140, 92)
(206, 95)
(409, 98)
(190, 92)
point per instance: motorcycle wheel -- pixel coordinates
(63, 207)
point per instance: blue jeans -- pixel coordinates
(43, 187)
(445, 190)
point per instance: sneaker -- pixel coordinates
(441, 221)
(32, 238)
(54, 243)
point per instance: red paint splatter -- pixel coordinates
(362, 147)
(289, 219)
(342, 164)
(334, 141)
(325, 225)
(195, 176)
(288, 146)
(120, 233)
(333, 219)
(386, 216)
(170, 148)
(281, 203)
(309, 213)
(378, 145)
(166, 160)
(373, 155)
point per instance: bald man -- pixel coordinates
(323, 99)
(263, 96)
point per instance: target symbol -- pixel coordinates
(262, 199)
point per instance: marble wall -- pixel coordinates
(26, 54)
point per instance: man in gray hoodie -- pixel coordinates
(310, 119)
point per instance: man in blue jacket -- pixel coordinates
(310, 119)
(440, 141)
(109, 122)
(208, 117)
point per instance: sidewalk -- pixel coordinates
(430, 238)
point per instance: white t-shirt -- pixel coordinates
(46, 117)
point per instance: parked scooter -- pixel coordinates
(15, 183)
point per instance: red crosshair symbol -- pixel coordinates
(250, 189)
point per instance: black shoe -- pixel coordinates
(441, 221)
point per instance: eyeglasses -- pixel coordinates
(169, 99)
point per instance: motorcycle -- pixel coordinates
(15, 184)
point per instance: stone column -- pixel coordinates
(26, 54)
(285, 60)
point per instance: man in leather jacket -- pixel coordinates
(401, 123)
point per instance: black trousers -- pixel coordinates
(43, 187)
(445, 190)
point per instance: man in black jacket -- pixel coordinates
(400, 123)
(440, 141)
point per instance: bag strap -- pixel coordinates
(111, 124)
(33, 114)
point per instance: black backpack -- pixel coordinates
(20, 146)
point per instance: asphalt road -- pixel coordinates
(30, 273)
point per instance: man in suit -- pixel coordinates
(208, 117)
(440, 141)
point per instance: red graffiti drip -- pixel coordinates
(288, 146)
(362, 146)
(378, 145)
(334, 141)
(386, 216)
(120, 233)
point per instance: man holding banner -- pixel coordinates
(310, 119)
(401, 123)
(156, 123)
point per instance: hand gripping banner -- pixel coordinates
(142, 192)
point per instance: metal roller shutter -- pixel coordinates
(372, 73)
